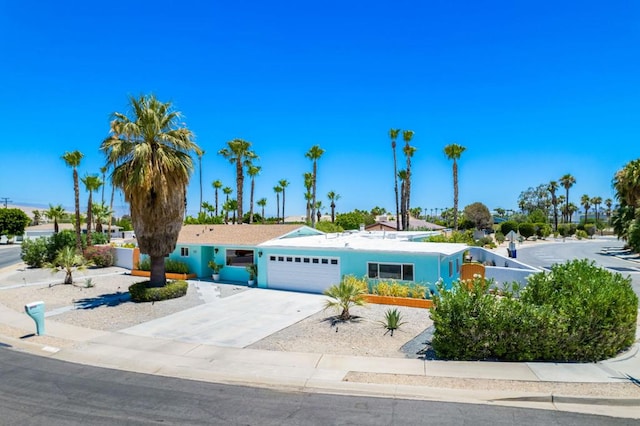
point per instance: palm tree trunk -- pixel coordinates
(240, 184)
(89, 219)
(333, 212)
(76, 190)
(113, 193)
(68, 278)
(455, 195)
(313, 203)
(395, 182)
(253, 184)
(283, 198)
(157, 278)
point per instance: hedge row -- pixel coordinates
(140, 292)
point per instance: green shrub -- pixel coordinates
(500, 237)
(100, 256)
(576, 312)
(464, 237)
(34, 252)
(170, 266)
(543, 230)
(580, 234)
(98, 238)
(508, 226)
(56, 242)
(527, 230)
(141, 293)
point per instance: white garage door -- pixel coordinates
(302, 273)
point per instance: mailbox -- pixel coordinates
(36, 311)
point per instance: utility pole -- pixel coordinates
(5, 200)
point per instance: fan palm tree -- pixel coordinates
(314, 154)
(227, 191)
(239, 152)
(333, 197)
(571, 209)
(216, 186)
(72, 159)
(68, 260)
(200, 154)
(103, 171)
(453, 152)
(393, 134)
(402, 177)
(101, 214)
(150, 152)
(609, 203)
(283, 183)
(408, 150)
(252, 171)
(308, 195)
(567, 181)
(585, 202)
(596, 201)
(552, 188)
(319, 207)
(56, 213)
(277, 189)
(262, 202)
(91, 183)
(626, 183)
(345, 295)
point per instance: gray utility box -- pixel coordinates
(36, 311)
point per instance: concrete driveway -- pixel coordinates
(235, 321)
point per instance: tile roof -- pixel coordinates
(233, 234)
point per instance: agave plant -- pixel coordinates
(392, 320)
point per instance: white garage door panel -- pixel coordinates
(300, 276)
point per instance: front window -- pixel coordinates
(392, 271)
(237, 257)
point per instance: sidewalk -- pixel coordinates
(153, 352)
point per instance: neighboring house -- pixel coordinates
(387, 223)
(299, 258)
(46, 230)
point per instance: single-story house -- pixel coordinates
(47, 229)
(300, 258)
(388, 223)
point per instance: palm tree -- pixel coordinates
(571, 209)
(552, 188)
(314, 154)
(103, 171)
(585, 201)
(227, 191)
(56, 213)
(239, 152)
(408, 150)
(200, 154)
(152, 162)
(596, 201)
(567, 181)
(277, 189)
(232, 206)
(101, 213)
(216, 186)
(319, 207)
(626, 183)
(333, 197)
(72, 159)
(252, 171)
(262, 202)
(609, 203)
(91, 183)
(345, 295)
(68, 260)
(453, 152)
(283, 184)
(393, 134)
(308, 195)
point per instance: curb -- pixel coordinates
(583, 400)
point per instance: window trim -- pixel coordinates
(402, 270)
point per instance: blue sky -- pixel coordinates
(533, 90)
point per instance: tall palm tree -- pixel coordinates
(277, 189)
(585, 201)
(103, 171)
(567, 181)
(626, 183)
(552, 188)
(227, 191)
(609, 203)
(314, 154)
(308, 195)
(252, 171)
(262, 202)
(453, 152)
(319, 206)
(333, 197)
(200, 154)
(56, 213)
(283, 184)
(596, 201)
(239, 152)
(72, 159)
(393, 134)
(216, 186)
(91, 183)
(571, 209)
(408, 150)
(150, 151)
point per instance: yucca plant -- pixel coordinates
(392, 320)
(350, 292)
